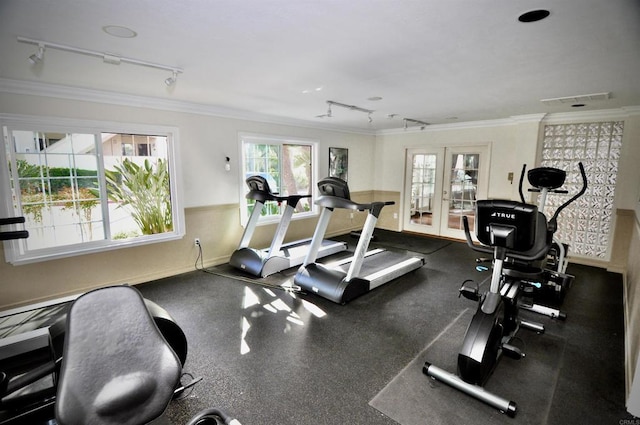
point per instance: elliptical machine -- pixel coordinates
(556, 282)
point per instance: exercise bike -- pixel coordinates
(116, 367)
(556, 282)
(110, 356)
(31, 350)
(516, 234)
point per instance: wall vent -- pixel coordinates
(583, 98)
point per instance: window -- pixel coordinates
(88, 186)
(586, 224)
(288, 167)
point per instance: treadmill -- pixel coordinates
(343, 281)
(279, 256)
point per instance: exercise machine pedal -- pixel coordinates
(512, 351)
(469, 292)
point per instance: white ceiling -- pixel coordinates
(439, 61)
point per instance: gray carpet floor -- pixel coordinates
(269, 356)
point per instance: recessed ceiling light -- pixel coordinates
(374, 98)
(534, 15)
(119, 31)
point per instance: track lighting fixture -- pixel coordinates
(344, 105)
(106, 57)
(422, 124)
(352, 107)
(172, 80)
(37, 57)
(369, 113)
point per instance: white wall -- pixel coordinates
(206, 141)
(512, 142)
(210, 195)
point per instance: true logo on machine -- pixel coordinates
(508, 216)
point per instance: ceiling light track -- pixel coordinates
(106, 57)
(352, 107)
(422, 124)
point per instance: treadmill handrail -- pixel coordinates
(12, 234)
(262, 196)
(4, 221)
(343, 203)
(15, 234)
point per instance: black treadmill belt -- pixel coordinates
(380, 261)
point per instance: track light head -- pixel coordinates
(422, 124)
(37, 57)
(172, 80)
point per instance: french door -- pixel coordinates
(441, 186)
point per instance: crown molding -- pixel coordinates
(516, 119)
(555, 118)
(598, 115)
(36, 88)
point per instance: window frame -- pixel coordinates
(277, 140)
(15, 252)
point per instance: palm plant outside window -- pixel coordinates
(287, 167)
(88, 190)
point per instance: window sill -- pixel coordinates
(86, 248)
(264, 221)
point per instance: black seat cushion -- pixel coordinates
(117, 368)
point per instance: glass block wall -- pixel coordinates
(587, 223)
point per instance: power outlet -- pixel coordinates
(196, 242)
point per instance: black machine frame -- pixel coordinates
(519, 237)
(337, 282)
(279, 256)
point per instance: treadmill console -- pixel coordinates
(333, 186)
(258, 183)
